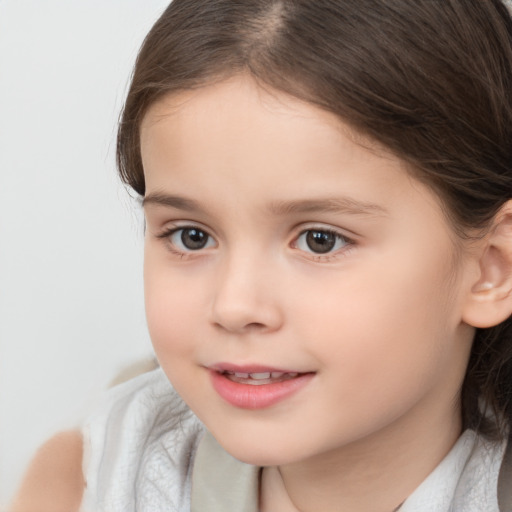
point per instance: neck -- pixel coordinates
(385, 469)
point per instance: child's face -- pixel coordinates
(276, 243)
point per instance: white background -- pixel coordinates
(71, 305)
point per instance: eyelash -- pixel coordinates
(329, 255)
(167, 234)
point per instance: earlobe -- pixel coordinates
(490, 299)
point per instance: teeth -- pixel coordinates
(261, 375)
(258, 376)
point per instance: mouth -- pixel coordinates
(256, 387)
(258, 378)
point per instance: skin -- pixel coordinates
(54, 481)
(378, 320)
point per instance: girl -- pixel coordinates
(327, 188)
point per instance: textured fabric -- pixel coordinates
(221, 482)
(465, 481)
(142, 444)
(139, 448)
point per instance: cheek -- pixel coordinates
(172, 306)
(379, 326)
(380, 350)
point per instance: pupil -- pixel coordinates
(194, 239)
(320, 241)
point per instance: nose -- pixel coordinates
(245, 298)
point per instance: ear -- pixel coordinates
(490, 299)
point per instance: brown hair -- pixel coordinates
(431, 80)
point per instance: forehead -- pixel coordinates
(244, 138)
(256, 107)
(239, 117)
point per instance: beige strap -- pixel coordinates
(221, 483)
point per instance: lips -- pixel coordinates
(256, 387)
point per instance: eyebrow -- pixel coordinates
(327, 205)
(337, 205)
(171, 201)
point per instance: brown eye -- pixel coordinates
(194, 239)
(190, 239)
(321, 241)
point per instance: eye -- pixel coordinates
(190, 239)
(321, 241)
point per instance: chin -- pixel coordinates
(257, 458)
(261, 453)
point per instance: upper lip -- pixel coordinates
(249, 368)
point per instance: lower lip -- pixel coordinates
(257, 396)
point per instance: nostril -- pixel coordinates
(252, 326)
(255, 326)
(234, 311)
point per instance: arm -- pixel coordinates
(54, 480)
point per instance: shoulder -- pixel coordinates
(139, 446)
(505, 478)
(53, 481)
(478, 485)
